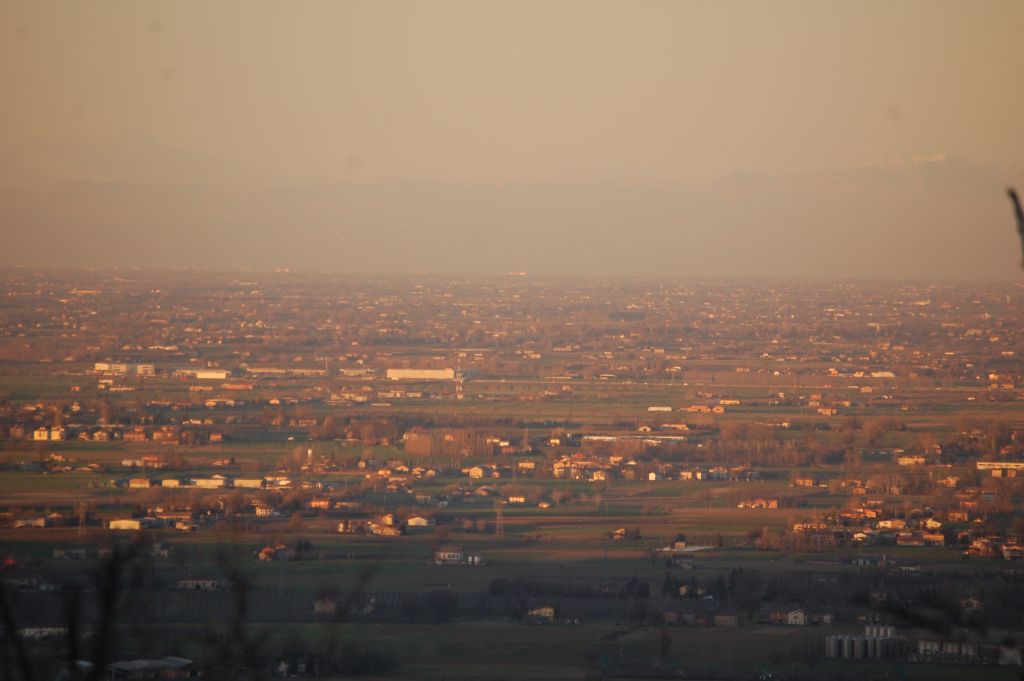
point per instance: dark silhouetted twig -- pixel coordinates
(1020, 217)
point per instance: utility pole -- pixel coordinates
(499, 521)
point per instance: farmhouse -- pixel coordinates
(543, 615)
(796, 617)
(449, 555)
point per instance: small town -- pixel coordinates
(840, 479)
(449, 340)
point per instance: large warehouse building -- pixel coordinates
(421, 374)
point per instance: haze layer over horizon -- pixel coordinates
(703, 139)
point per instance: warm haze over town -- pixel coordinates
(511, 340)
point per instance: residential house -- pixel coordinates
(545, 614)
(449, 555)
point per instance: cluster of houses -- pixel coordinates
(596, 468)
(395, 473)
(280, 551)
(385, 525)
(875, 523)
(703, 612)
(758, 503)
(165, 434)
(995, 547)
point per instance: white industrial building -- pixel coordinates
(421, 374)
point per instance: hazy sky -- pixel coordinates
(694, 138)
